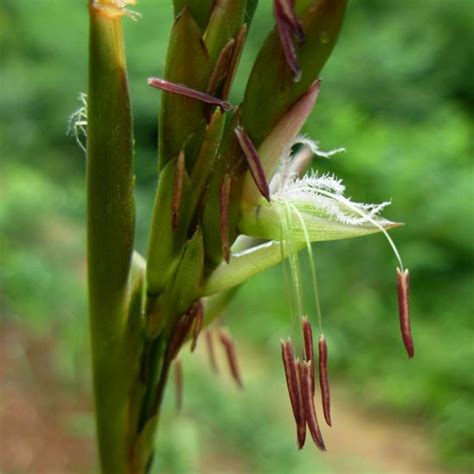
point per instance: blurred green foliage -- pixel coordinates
(397, 93)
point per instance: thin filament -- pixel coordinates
(312, 266)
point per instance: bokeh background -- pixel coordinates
(398, 93)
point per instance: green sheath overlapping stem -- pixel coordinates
(110, 225)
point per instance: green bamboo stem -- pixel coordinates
(110, 227)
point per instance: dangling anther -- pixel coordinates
(308, 348)
(177, 189)
(403, 286)
(308, 403)
(294, 391)
(324, 379)
(224, 199)
(186, 91)
(178, 379)
(253, 161)
(226, 341)
(210, 350)
(198, 320)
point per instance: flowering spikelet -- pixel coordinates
(403, 286)
(324, 379)
(253, 162)
(177, 189)
(210, 350)
(293, 383)
(308, 403)
(308, 348)
(178, 380)
(183, 90)
(226, 341)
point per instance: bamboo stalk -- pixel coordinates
(110, 229)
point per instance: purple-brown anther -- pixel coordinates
(403, 286)
(234, 62)
(324, 379)
(221, 69)
(287, 24)
(177, 189)
(226, 341)
(224, 199)
(308, 347)
(198, 320)
(308, 404)
(178, 380)
(286, 9)
(294, 392)
(253, 162)
(210, 350)
(186, 91)
(301, 425)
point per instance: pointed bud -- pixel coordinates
(308, 403)
(324, 379)
(185, 91)
(198, 320)
(224, 199)
(178, 379)
(177, 189)
(403, 286)
(253, 162)
(280, 138)
(308, 348)
(294, 392)
(226, 341)
(210, 350)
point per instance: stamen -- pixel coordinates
(224, 198)
(308, 404)
(178, 380)
(226, 341)
(198, 320)
(308, 348)
(301, 425)
(210, 350)
(253, 162)
(177, 190)
(324, 379)
(221, 69)
(294, 391)
(181, 330)
(185, 91)
(286, 10)
(234, 62)
(403, 286)
(284, 32)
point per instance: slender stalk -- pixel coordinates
(110, 227)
